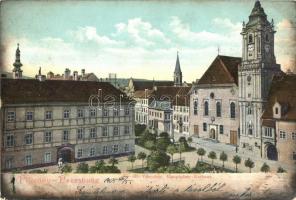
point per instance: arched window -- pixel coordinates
(218, 109)
(195, 107)
(276, 110)
(206, 109)
(250, 129)
(250, 39)
(267, 38)
(232, 110)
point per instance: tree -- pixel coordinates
(139, 129)
(281, 170)
(223, 157)
(212, 155)
(237, 160)
(201, 152)
(82, 168)
(184, 142)
(157, 159)
(164, 135)
(171, 149)
(265, 168)
(147, 136)
(189, 140)
(162, 143)
(142, 156)
(249, 163)
(92, 169)
(150, 145)
(99, 165)
(113, 161)
(132, 159)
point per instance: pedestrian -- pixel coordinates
(13, 182)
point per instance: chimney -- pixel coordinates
(75, 76)
(67, 73)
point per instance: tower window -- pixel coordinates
(276, 111)
(250, 38)
(267, 38)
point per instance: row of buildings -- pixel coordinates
(243, 101)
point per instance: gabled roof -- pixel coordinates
(223, 70)
(176, 95)
(283, 91)
(20, 91)
(142, 85)
(142, 93)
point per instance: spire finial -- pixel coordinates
(218, 49)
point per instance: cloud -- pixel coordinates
(141, 33)
(89, 34)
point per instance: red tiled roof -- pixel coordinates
(223, 70)
(142, 85)
(177, 95)
(283, 90)
(19, 91)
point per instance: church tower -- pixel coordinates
(255, 75)
(17, 71)
(177, 73)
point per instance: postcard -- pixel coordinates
(149, 100)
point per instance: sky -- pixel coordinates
(138, 39)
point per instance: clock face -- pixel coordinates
(251, 47)
(267, 48)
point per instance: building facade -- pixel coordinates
(47, 120)
(255, 75)
(214, 112)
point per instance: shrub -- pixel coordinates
(281, 170)
(82, 168)
(249, 163)
(201, 152)
(265, 168)
(67, 168)
(150, 144)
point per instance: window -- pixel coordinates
(276, 110)
(8, 163)
(218, 109)
(9, 141)
(115, 131)
(66, 114)
(126, 130)
(29, 138)
(294, 155)
(92, 112)
(126, 111)
(195, 104)
(92, 151)
(282, 135)
(115, 112)
(28, 160)
(204, 126)
(105, 131)
(80, 134)
(249, 80)
(48, 115)
(126, 147)
(79, 153)
(10, 116)
(267, 38)
(221, 129)
(47, 157)
(249, 109)
(92, 132)
(293, 136)
(105, 112)
(250, 38)
(105, 149)
(79, 113)
(206, 111)
(268, 132)
(29, 116)
(250, 129)
(232, 110)
(65, 135)
(115, 148)
(47, 136)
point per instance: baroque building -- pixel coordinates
(255, 74)
(44, 120)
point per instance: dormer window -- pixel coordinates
(276, 110)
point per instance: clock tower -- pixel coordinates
(255, 75)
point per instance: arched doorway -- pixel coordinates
(213, 134)
(271, 152)
(67, 154)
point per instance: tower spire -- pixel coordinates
(177, 72)
(17, 71)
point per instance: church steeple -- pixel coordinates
(178, 73)
(17, 71)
